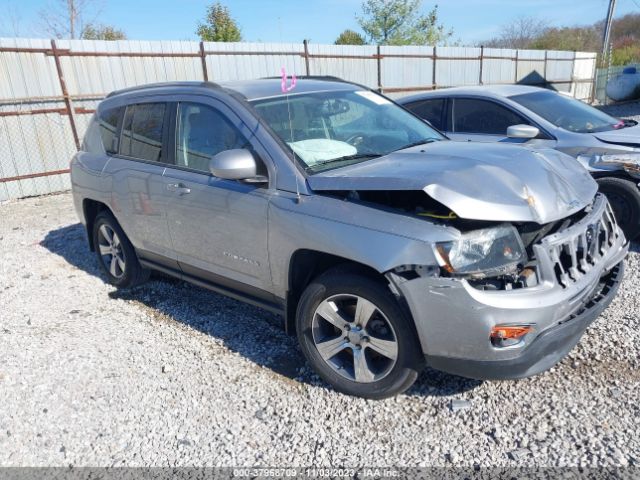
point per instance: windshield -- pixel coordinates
(567, 113)
(328, 130)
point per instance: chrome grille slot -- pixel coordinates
(568, 255)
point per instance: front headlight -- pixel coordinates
(482, 253)
(630, 162)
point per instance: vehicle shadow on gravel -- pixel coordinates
(254, 333)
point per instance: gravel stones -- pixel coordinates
(169, 374)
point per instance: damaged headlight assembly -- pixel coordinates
(482, 253)
(630, 162)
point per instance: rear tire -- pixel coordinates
(116, 256)
(356, 336)
(624, 197)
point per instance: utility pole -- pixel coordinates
(607, 28)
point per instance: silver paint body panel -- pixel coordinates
(248, 234)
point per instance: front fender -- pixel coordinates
(379, 239)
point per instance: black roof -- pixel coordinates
(252, 89)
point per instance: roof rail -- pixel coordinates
(211, 85)
(328, 78)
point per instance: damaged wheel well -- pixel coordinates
(305, 265)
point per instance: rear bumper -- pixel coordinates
(547, 349)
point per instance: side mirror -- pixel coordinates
(236, 164)
(522, 131)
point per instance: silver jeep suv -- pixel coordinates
(384, 245)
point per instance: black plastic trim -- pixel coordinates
(247, 295)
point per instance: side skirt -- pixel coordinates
(277, 308)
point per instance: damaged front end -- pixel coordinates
(532, 254)
(627, 162)
(541, 287)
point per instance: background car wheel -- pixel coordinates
(624, 198)
(356, 335)
(116, 256)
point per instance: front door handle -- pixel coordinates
(179, 188)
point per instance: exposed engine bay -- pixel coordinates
(412, 202)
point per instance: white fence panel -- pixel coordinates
(499, 67)
(584, 71)
(27, 75)
(353, 63)
(457, 66)
(36, 139)
(531, 67)
(267, 61)
(406, 67)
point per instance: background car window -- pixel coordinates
(482, 116)
(430, 110)
(567, 113)
(202, 133)
(142, 132)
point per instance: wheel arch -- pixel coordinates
(305, 265)
(90, 210)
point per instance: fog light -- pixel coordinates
(509, 335)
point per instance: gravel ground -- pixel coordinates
(172, 375)
(624, 110)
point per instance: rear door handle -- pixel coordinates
(179, 188)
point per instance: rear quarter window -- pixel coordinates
(102, 133)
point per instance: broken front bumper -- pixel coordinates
(579, 270)
(547, 349)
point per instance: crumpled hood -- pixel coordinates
(628, 136)
(477, 181)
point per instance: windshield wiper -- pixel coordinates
(420, 142)
(346, 158)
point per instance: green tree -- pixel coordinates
(568, 38)
(99, 31)
(349, 37)
(219, 26)
(399, 22)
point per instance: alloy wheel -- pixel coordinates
(354, 338)
(111, 251)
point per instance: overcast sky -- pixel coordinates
(293, 20)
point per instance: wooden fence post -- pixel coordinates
(305, 42)
(203, 59)
(65, 94)
(433, 79)
(515, 76)
(379, 64)
(481, 61)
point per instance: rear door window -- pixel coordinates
(142, 132)
(472, 115)
(430, 110)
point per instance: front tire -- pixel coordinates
(116, 256)
(624, 197)
(355, 334)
